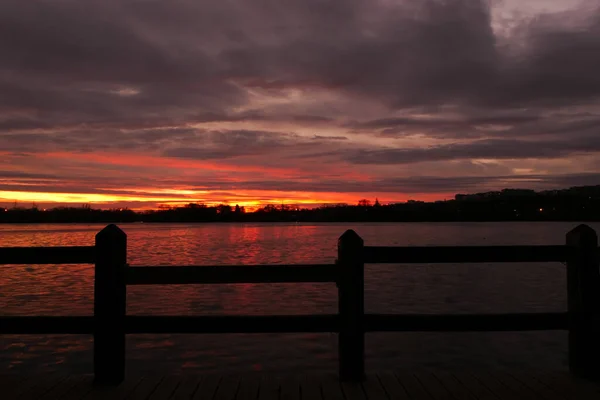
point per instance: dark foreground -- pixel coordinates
(386, 385)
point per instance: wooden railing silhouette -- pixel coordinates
(110, 324)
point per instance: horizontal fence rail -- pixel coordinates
(19, 325)
(142, 324)
(372, 254)
(112, 275)
(48, 255)
(232, 324)
(465, 254)
(466, 322)
(180, 275)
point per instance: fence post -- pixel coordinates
(110, 305)
(351, 303)
(583, 287)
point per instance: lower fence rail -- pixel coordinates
(141, 324)
(466, 322)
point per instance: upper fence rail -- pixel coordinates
(48, 255)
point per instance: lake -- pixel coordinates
(446, 288)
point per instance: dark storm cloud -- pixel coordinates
(188, 143)
(222, 145)
(514, 125)
(72, 59)
(560, 181)
(489, 148)
(430, 52)
(416, 185)
(475, 183)
(443, 123)
(83, 140)
(276, 147)
(402, 54)
(321, 137)
(98, 61)
(234, 143)
(556, 64)
(467, 127)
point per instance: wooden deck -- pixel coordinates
(386, 385)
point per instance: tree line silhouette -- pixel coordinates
(574, 204)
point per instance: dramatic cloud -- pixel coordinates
(309, 101)
(490, 148)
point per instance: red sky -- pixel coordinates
(314, 102)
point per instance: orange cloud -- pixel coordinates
(147, 193)
(137, 160)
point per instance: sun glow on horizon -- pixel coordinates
(46, 197)
(145, 199)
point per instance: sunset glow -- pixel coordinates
(147, 200)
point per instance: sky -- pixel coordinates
(141, 103)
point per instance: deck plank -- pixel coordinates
(227, 388)
(80, 389)
(542, 390)
(61, 390)
(248, 389)
(269, 388)
(145, 389)
(413, 387)
(353, 391)
(373, 389)
(456, 389)
(516, 386)
(290, 388)
(207, 388)
(497, 388)
(331, 388)
(12, 385)
(114, 393)
(478, 389)
(392, 387)
(166, 388)
(433, 386)
(187, 388)
(310, 388)
(483, 385)
(570, 387)
(41, 387)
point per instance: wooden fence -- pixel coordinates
(110, 324)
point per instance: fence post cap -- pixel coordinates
(350, 237)
(582, 235)
(112, 231)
